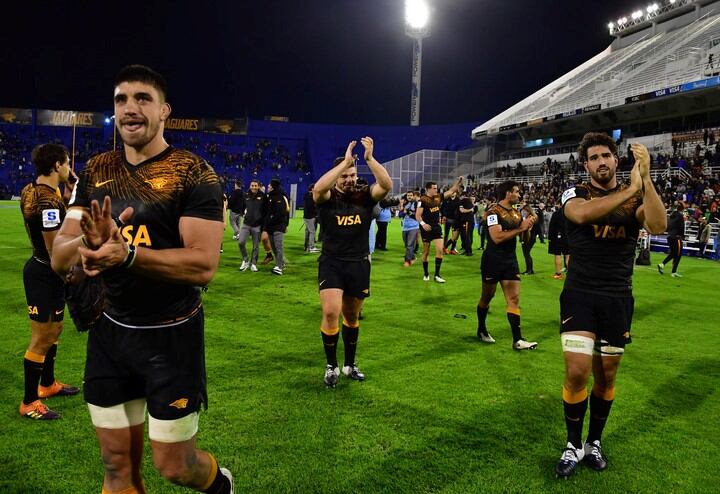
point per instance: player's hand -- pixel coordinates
(426, 227)
(642, 159)
(112, 252)
(369, 146)
(527, 223)
(99, 225)
(349, 157)
(636, 180)
(460, 180)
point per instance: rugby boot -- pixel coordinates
(57, 389)
(331, 376)
(525, 345)
(229, 476)
(569, 461)
(594, 457)
(485, 337)
(353, 372)
(37, 410)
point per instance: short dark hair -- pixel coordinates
(254, 181)
(595, 139)
(45, 156)
(142, 73)
(429, 185)
(502, 189)
(275, 183)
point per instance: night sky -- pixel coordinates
(319, 61)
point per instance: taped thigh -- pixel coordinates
(119, 416)
(173, 431)
(575, 343)
(605, 349)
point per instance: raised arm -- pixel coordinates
(499, 236)
(652, 212)
(455, 188)
(321, 191)
(581, 211)
(383, 182)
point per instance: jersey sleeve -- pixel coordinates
(573, 192)
(492, 217)
(204, 195)
(52, 213)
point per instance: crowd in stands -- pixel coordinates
(235, 158)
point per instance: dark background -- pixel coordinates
(332, 61)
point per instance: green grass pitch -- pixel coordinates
(439, 411)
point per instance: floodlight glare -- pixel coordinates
(417, 13)
(610, 25)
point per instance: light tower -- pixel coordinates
(417, 26)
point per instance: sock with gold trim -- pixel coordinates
(350, 339)
(48, 373)
(514, 320)
(599, 411)
(33, 364)
(330, 339)
(575, 405)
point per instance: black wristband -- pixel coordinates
(130, 258)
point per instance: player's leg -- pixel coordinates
(577, 354)
(437, 243)
(351, 307)
(486, 295)
(49, 386)
(511, 290)
(243, 235)
(605, 366)
(331, 300)
(425, 255)
(120, 430)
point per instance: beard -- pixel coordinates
(605, 178)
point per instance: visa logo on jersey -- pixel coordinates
(136, 237)
(348, 220)
(609, 231)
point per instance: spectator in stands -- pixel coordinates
(675, 236)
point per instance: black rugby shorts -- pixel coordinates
(164, 365)
(494, 270)
(352, 277)
(434, 233)
(44, 292)
(608, 317)
(558, 247)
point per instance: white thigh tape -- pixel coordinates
(604, 348)
(119, 416)
(173, 431)
(576, 343)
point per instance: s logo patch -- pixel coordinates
(492, 220)
(51, 218)
(567, 195)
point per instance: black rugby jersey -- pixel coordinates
(602, 253)
(345, 220)
(508, 219)
(43, 211)
(173, 184)
(431, 209)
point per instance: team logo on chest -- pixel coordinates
(156, 183)
(609, 231)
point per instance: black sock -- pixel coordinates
(599, 411)
(454, 244)
(350, 338)
(33, 371)
(574, 416)
(221, 484)
(330, 345)
(425, 268)
(514, 320)
(438, 263)
(481, 316)
(48, 374)
(667, 259)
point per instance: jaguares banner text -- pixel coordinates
(16, 116)
(224, 126)
(69, 118)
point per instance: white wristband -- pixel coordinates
(422, 223)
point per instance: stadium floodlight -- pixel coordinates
(417, 14)
(610, 25)
(417, 26)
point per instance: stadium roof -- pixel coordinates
(662, 57)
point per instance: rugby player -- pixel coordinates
(154, 241)
(604, 218)
(43, 210)
(499, 263)
(427, 214)
(345, 211)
